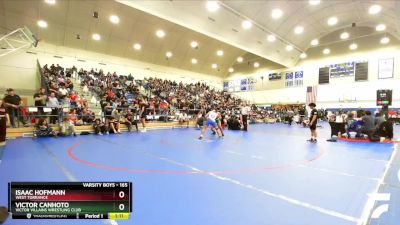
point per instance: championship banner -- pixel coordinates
(298, 79)
(342, 70)
(289, 79)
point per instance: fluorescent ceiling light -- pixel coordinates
(271, 38)
(332, 21)
(380, 27)
(314, 2)
(385, 40)
(160, 33)
(212, 6)
(246, 24)
(114, 19)
(374, 9)
(276, 13)
(96, 37)
(194, 44)
(344, 35)
(314, 42)
(353, 46)
(298, 29)
(326, 51)
(50, 2)
(42, 23)
(137, 46)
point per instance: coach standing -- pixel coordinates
(244, 113)
(13, 103)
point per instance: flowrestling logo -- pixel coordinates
(379, 197)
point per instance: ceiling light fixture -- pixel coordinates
(353, 46)
(194, 44)
(271, 38)
(160, 33)
(326, 51)
(256, 65)
(332, 21)
(374, 9)
(231, 70)
(314, 42)
(385, 40)
(42, 23)
(246, 24)
(50, 2)
(137, 46)
(168, 54)
(194, 61)
(314, 2)
(212, 6)
(220, 53)
(303, 55)
(96, 37)
(289, 48)
(298, 29)
(276, 13)
(380, 27)
(344, 35)
(239, 59)
(114, 19)
(214, 66)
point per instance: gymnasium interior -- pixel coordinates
(189, 112)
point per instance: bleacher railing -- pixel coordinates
(28, 116)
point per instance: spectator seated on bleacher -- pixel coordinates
(99, 127)
(385, 130)
(74, 118)
(87, 116)
(43, 129)
(368, 123)
(113, 125)
(233, 123)
(67, 127)
(183, 118)
(378, 120)
(130, 119)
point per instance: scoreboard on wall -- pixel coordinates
(383, 97)
(342, 69)
(70, 200)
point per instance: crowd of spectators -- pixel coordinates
(124, 100)
(360, 124)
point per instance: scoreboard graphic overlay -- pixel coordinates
(70, 200)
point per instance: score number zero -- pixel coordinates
(121, 206)
(121, 195)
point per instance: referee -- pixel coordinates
(244, 112)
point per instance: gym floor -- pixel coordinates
(269, 175)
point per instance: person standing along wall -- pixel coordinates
(3, 123)
(313, 123)
(244, 112)
(40, 101)
(13, 103)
